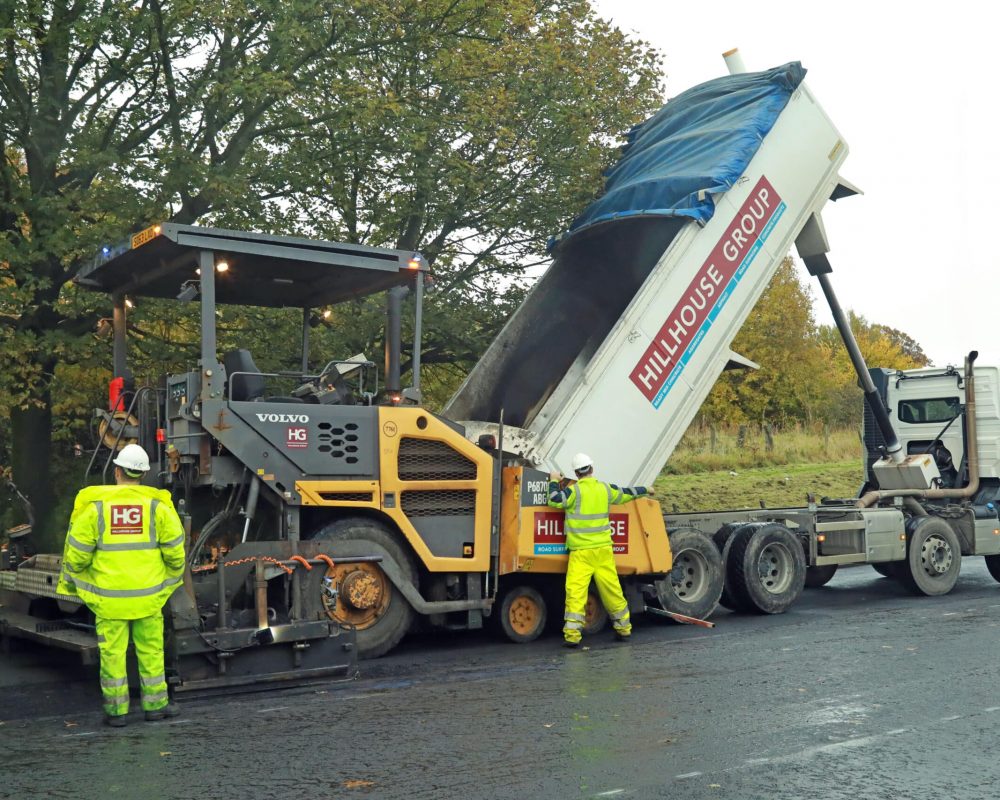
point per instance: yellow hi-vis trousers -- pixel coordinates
(112, 641)
(599, 563)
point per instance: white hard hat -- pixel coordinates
(132, 458)
(582, 461)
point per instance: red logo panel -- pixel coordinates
(550, 535)
(126, 520)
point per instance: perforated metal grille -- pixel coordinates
(347, 497)
(438, 503)
(341, 442)
(423, 460)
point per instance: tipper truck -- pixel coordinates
(329, 512)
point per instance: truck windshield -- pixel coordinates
(938, 409)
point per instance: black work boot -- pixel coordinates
(169, 710)
(115, 720)
(570, 645)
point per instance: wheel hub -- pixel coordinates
(936, 556)
(689, 576)
(775, 568)
(362, 590)
(357, 594)
(523, 615)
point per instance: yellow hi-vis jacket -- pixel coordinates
(124, 553)
(588, 506)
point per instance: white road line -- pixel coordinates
(687, 775)
(950, 614)
(267, 710)
(991, 708)
(951, 719)
(610, 793)
(896, 731)
(84, 733)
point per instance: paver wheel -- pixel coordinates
(522, 614)
(596, 615)
(362, 595)
(933, 557)
(767, 567)
(694, 585)
(820, 576)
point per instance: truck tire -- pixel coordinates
(694, 585)
(933, 557)
(723, 539)
(884, 569)
(993, 565)
(820, 576)
(382, 616)
(522, 614)
(767, 568)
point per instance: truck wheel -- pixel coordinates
(933, 557)
(522, 614)
(820, 576)
(767, 568)
(993, 565)
(723, 539)
(884, 569)
(596, 615)
(365, 596)
(694, 585)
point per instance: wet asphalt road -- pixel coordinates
(860, 691)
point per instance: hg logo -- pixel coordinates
(126, 520)
(297, 437)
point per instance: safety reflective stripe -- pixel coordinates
(572, 625)
(89, 587)
(153, 681)
(100, 520)
(574, 615)
(69, 568)
(623, 614)
(152, 518)
(130, 546)
(84, 548)
(585, 516)
(598, 529)
(174, 542)
(113, 682)
(154, 698)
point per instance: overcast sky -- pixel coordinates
(913, 88)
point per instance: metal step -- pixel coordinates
(51, 633)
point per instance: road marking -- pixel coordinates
(687, 775)
(950, 614)
(84, 733)
(896, 731)
(951, 719)
(991, 708)
(610, 793)
(268, 710)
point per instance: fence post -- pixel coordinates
(768, 438)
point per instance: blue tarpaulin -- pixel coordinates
(698, 144)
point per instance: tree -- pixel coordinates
(469, 129)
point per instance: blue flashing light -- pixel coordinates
(106, 250)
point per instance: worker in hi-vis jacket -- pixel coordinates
(587, 504)
(124, 557)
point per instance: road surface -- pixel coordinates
(859, 691)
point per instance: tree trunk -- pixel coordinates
(31, 439)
